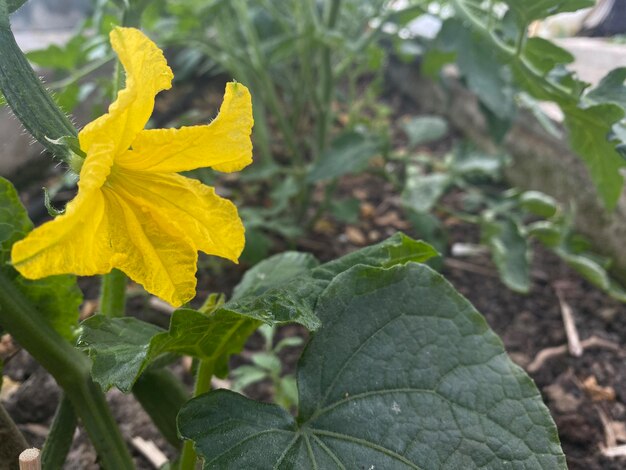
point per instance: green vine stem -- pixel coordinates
(162, 395)
(327, 79)
(204, 374)
(70, 368)
(113, 294)
(61, 435)
(30, 101)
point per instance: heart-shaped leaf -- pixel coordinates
(404, 374)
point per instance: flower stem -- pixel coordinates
(69, 367)
(203, 384)
(113, 294)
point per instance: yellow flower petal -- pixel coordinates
(224, 144)
(150, 248)
(147, 73)
(210, 222)
(132, 211)
(76, 242)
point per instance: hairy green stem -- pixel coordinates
(61, 435)
(113, 294)
(203, 385)
(28, 98)
(69, 367)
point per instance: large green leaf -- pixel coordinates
(56, 297)
(404, 374)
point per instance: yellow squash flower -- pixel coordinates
(133, 211)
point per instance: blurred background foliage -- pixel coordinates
(316, 70)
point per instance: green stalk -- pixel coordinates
(204, 374)
(113, 284)
(161, 395)
(29, 100)
(327, 79)
(265, 81)
(61, 435)
(70, 368)
(113, 294)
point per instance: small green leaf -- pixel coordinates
(58, 298)
(422, 191)
(586, 267)
(546, 232)
(294, 301)
(423, 129)
(14, 221)
(275, 270)
(268, 361)
(538, 203)
(349, 153)
(118, 347)
(291, 342)
(611, 89)
(13, 5)
(509, 250)
(404, 374)
(346, 210)
(530, 10)
(478, 62)
(245, 376)
(474, 163)
(545, 55)
(589, 129)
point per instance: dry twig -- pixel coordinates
(150, 451)
(549, 353)
(573, 340)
